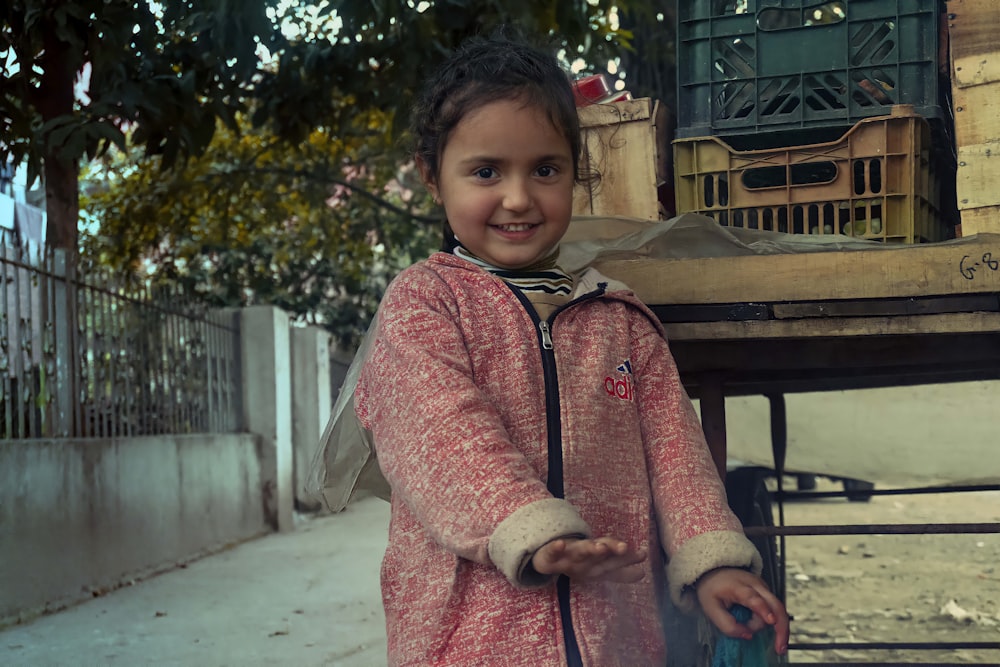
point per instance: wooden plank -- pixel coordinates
(980, 220)
(977, 176)
(713, 312)
(883, 307)
(821, 381)
(966, 266)
(764, 365)
(977, 140)
(977, 115)
(978, 69)
(851, 355)
(598, 115)
(835, 327)
(973, 26)
(713, 420)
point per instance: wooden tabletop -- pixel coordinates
(828, 320)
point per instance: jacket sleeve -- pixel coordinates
(699, 531)
(443, 447)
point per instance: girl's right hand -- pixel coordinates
(600, 558)
(720, 589)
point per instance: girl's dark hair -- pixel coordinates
(484, 70)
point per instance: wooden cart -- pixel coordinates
(822, 321)
(776, 324)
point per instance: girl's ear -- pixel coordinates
(427, 176)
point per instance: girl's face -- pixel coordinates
(506, 182)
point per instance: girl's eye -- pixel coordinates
(485, 172)
(546, 170)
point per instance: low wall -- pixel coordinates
(80, 517)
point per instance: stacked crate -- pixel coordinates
(814, 117)
(975, 81)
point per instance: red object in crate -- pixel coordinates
(591, 89)
(595, 89)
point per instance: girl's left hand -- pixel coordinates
(720, 589)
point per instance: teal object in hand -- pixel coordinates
(730, 652)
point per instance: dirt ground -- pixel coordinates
(894, 588)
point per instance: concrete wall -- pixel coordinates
(311, 405)
(78, 517)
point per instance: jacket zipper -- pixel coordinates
(553, 422)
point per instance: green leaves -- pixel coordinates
(247, 149)
(309, 227)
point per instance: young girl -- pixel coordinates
(550, 480)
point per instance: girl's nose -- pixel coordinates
(516, 196)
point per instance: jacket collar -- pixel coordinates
(590, 280)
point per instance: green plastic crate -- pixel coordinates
(758, 66)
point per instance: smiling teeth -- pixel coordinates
(523, 227)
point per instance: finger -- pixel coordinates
(768, 609)
(546, 560)
(555, 549)
(723, 619)
(756, 624)
(622, 549)
(615, 546)
(762, 603)
(781, 632)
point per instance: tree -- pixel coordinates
(650, 65)
(249, 221)
(317, 228)
(167, 72)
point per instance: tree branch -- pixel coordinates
(379, 201)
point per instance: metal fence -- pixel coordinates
(88, 356)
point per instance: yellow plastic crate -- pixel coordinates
(878, 181)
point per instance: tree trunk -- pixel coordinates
(55, 99)
(62, 205)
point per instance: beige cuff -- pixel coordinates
(524, 532)
(703, 553)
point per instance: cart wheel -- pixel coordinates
(750, 500)
(858, 490)
(805, 481)
(691, 639)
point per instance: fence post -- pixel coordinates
(311, 403)
(63, 315)
(267, 406)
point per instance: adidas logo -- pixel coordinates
(621, 387)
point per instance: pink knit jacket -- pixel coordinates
(454, 391)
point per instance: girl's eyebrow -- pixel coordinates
(479, 158)
(554, 157)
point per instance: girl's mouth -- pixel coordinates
(517, 227)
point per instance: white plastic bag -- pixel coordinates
(345, 461)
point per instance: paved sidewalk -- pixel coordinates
(309, 598)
